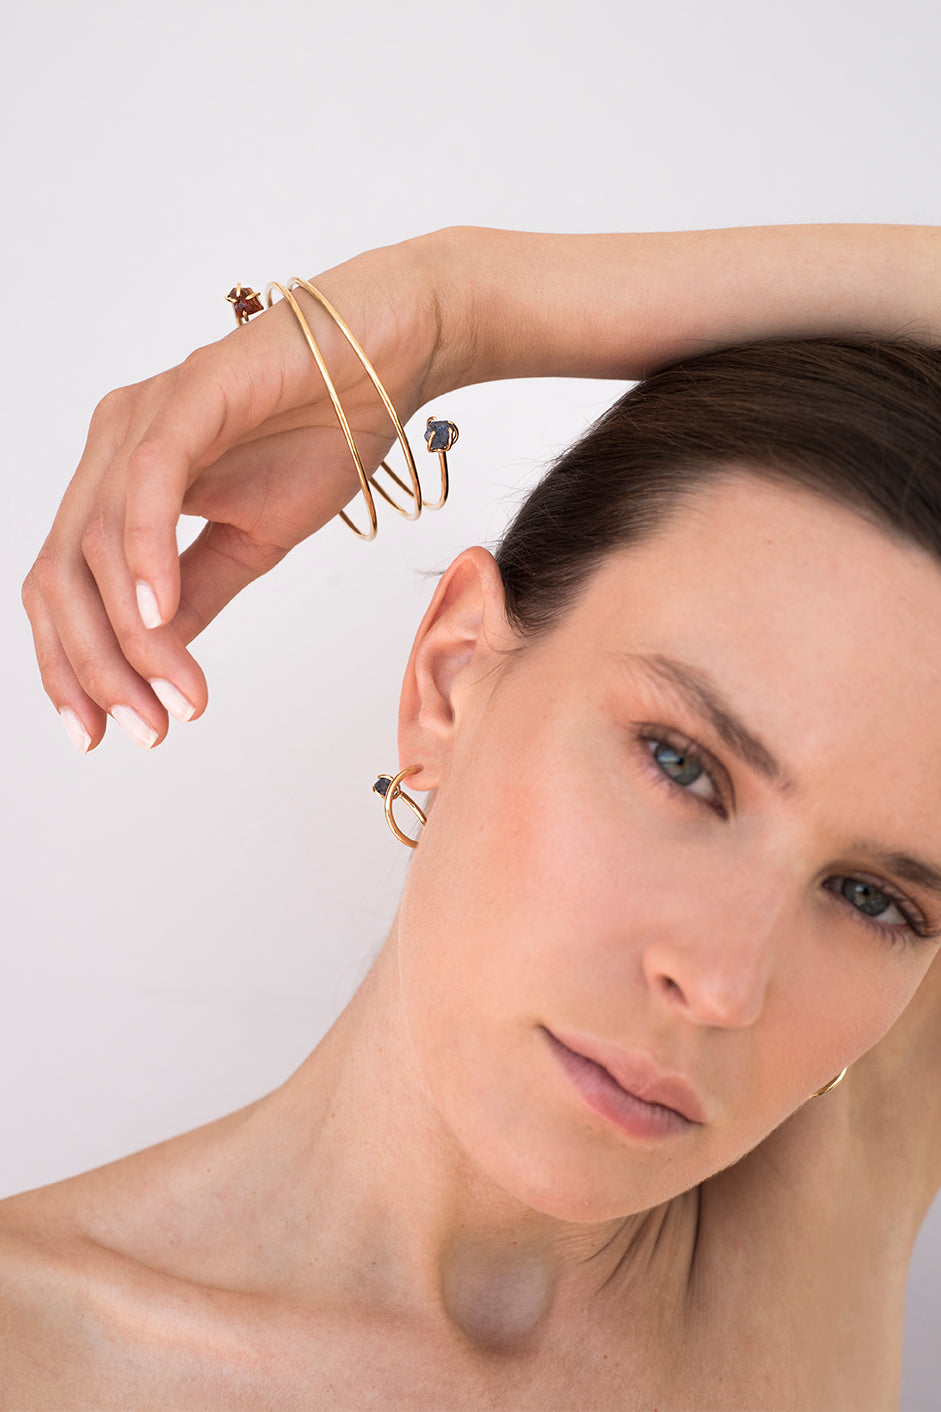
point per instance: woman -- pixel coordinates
(574, 1143)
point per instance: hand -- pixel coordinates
(243, 434)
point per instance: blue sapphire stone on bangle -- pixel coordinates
(382, 785)
(440, 436)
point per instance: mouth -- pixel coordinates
(626, 1088)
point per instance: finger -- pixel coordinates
(135, 675)
(213, 569)
(105, 677)
(157, 470)
(138, 713)
(157, 656)
(83, 718)
(260, 503)
(219, 394)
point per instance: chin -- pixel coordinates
(581, 1179)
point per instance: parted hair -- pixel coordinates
(856, 420)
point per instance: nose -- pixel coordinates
(712, 967)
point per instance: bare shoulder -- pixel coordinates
(54, 1289)
(39, 1317)
(87, 1326)
(159, 1190)
(89, 1265)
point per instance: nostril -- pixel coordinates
(671, 987)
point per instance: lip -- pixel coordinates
(626, 1085)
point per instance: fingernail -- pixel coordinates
(173, 699)
(74, 729)
(147, 605)
(135, 725)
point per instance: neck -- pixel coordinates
(382, 1199)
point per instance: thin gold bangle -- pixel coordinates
(414, 492)
(341, 415)
(440, 436)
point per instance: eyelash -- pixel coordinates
(915, 927)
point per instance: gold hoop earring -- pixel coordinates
(832, 1084)
(387, 786)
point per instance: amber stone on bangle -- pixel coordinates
(245, 302)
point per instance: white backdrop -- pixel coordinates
(181, 926)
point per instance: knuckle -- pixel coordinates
(95, 538)
(29, 593)
(101, 678)
(91, 677)
(207, 369)
(246, 550)
(111, 410)
(40, 580)
(139, 539)
(145, 460)
(49, 662)
(137, 648)
(256, 556)
(196, 363)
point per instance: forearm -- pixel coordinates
(529, 305)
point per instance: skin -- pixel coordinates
(427, 1213)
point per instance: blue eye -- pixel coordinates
(678, 764)
(865, 897)
(682, 764)
(873, 902)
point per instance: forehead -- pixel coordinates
(822, 630)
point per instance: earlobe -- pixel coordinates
(463, 626)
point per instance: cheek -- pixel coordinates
(525, 905)
(847, 996)
(501, 895)
(519, 868)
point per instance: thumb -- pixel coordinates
(215, 567)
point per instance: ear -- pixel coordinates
(458, 642)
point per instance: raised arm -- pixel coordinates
(621, 306)
(242, 433)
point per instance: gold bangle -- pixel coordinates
(440, 436)
(415, 490)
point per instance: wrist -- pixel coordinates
(483, 307)
(446, 259)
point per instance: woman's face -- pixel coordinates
(672, 835)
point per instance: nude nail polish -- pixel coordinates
(173, 699)
(135, 725)
(76, 732)
(147, 605)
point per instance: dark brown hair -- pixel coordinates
(856, 420)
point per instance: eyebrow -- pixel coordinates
(704, 697)
(702, 694)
